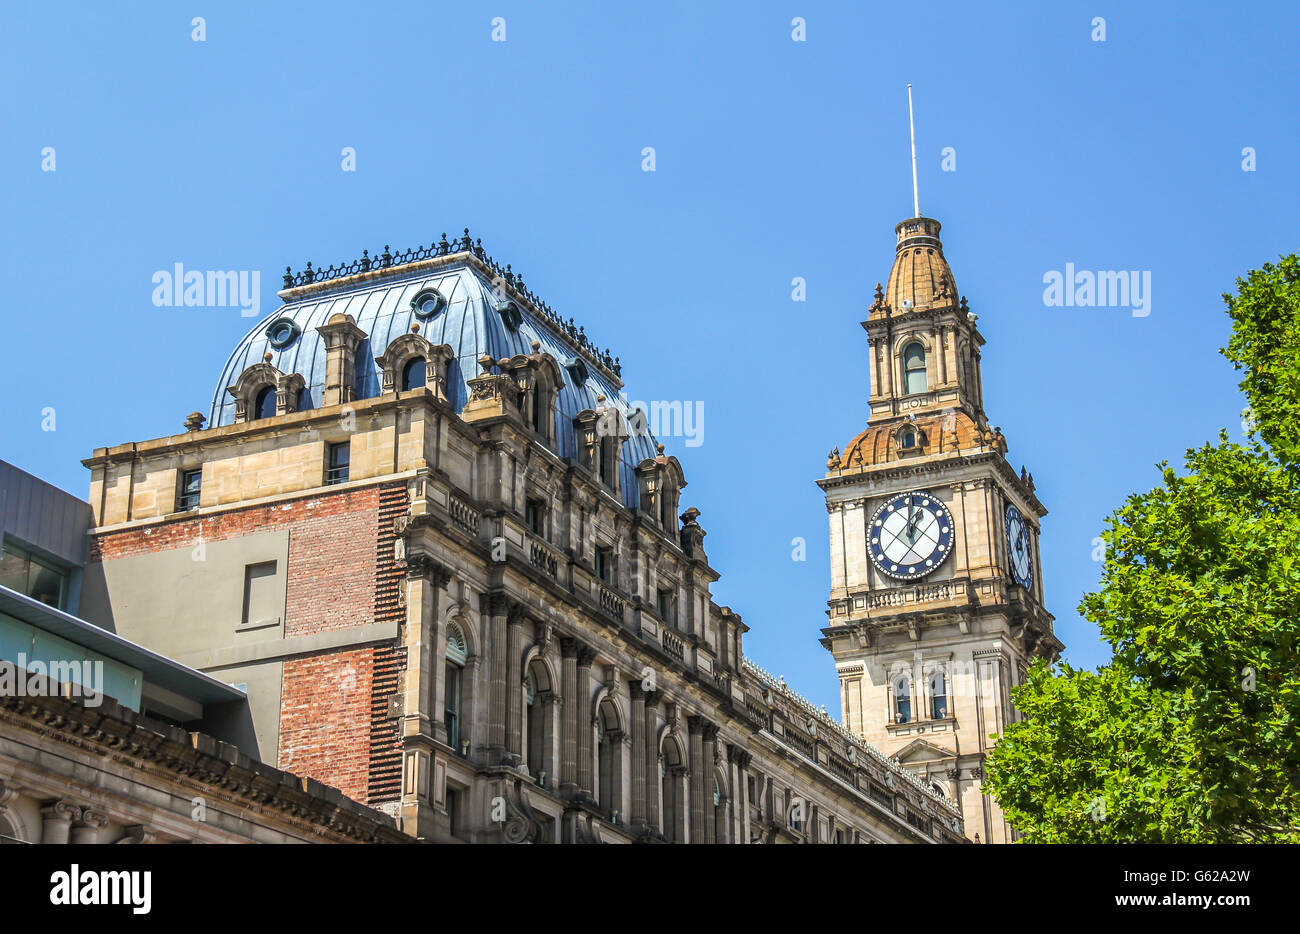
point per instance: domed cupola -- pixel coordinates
(920, 278)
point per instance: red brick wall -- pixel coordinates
(325, 718)
(334, 723)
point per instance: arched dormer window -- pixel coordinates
(914, 378)
(902, 700)
(412, 362)
(453, 685)
(909, 438)
(939, 705)
(260, 388)
(414, 374)
(265, 405)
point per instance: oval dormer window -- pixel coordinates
(282, 333)
(427, 303)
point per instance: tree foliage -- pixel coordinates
(1189, 733)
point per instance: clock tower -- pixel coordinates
(936, 604)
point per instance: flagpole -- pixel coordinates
(911, 125)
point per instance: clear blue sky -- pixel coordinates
(775, 159)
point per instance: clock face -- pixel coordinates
(1018, 548)
(911, 535)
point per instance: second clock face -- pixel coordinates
(911, 535)
(1018, 549)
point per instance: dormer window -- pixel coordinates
(411, 362)
(414, 373)
(265, 405)
(914, 378)
(260, 389)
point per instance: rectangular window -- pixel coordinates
(535, 515)
(339, 457)
(453, 810)
(33, 577)
(665, 605)
(451, 706)
(261, 595)
(187, 497)
(605, 564)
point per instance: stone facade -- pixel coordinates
(493, 622)
(926, 661)
(76, 773)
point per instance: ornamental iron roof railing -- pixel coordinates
(852, 739)
(444, 247)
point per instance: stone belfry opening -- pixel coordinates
(936, 606)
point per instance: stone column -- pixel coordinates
(586, 724)
(708, 745)
(496, 738)
(638, 818)
(58, 817)
(569, 732)
(549, 701)
(652, 785)
(422, 711)
(87, 827)
(515, 684)
(887, 365)
(695, 728)
(941, 349)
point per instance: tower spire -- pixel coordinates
(911, 125)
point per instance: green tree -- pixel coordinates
(1190, 732)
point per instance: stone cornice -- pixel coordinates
(115, 733)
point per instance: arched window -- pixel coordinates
(414, 374)
(671, 768)
(902, 701)
(457, 653)
(8, 831)
(721, 815)
(914, 380)
(265, 405)
(909, 439)
(539, 723)
(938, 696)
(609, 739)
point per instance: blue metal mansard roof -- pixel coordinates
(469, 322)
